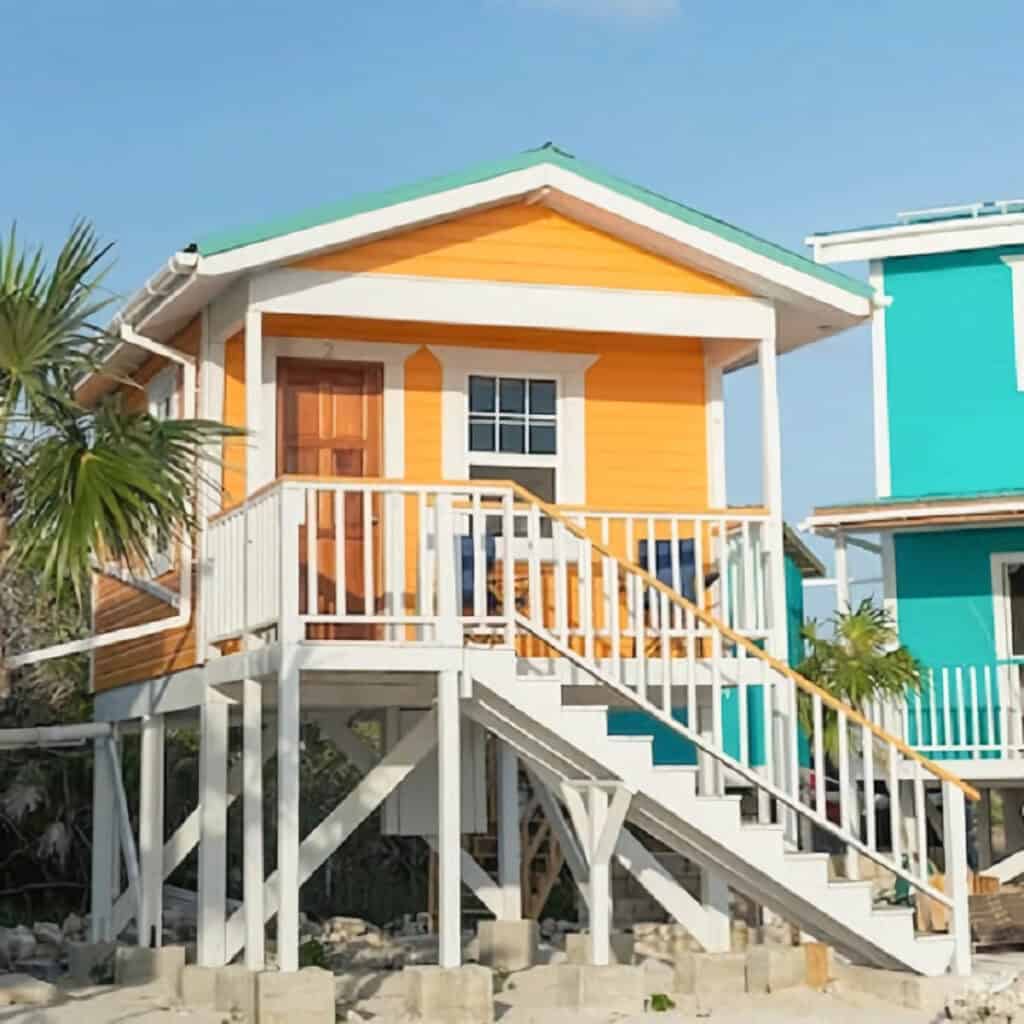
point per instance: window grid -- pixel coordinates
(512, 415)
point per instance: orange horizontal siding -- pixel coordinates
(524, 244)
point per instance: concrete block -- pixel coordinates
(235, 989)
(710, 975)
(613, 987)
(774, 968)
(577, 947)
(137, 965)
(619, 987)
(198, 986)
(507, 945)
(456, 995)
(90, 963)
(285, 997)
(905, 989)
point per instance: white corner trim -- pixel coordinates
(459, 362)
(890, 590)
(510, 304)
(714, 405)
(1016, 265)
(880, 387)
(391, 355)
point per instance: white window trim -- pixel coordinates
(459, 363)
(391, 354)
(1001, 601)
(1016, 265)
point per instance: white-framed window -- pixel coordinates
(1008, 603)
(162, 404)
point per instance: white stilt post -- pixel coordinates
(509, 835)
(714, 896)
(842, 572)
(104, 846)
(252, 821)
(151, 830)
(600, 880)
(449, 828)
(213, 804)
(954, 827)
(288, 757)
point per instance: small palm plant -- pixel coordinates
(859, 664)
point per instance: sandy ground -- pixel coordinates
(149, 1006)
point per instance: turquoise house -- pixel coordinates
(947, 516)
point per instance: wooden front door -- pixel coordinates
(329, 418)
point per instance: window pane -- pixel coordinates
(513, 395)
(542, 438)
(481, 435)
(542, 397)
(481, 394)
(513, 437)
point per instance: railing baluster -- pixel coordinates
(692, 711)
(716, 706)
(744, 716)
(846, 784)
(533, 547)
(918, 698)
(895, 814)
(818, 715)
(508, 571)
(961, 711)
(698, 565)
(312, 570)
(666, 664)
(652, 568)
(561, 584)
(423, 587)
(612, 571)
(369, 593)
(723, 574)
(587, 596)
(921, 821)
(479, 602)
(990, 700)
(340, 569)
(749, 596)
(868, 753)
(975, 713)
(640, 642)
(947, 711)
(933, 710)
(677, 582)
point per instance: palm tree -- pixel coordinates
(78, 484)
(858, 664)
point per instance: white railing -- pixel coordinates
(962, 711)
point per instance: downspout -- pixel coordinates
(184, 613)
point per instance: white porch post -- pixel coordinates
(600, 880)
(842, 572)
(253, 399)
(449, 828)
(151, 830)
(105, 866)
(252, 815)
(213, 808)
(288, 758)
(509, 835)
(954, 828)
(714, 897)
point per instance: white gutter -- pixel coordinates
(184, 604)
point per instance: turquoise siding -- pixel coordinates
(954, 408)
(944, 606)
(671, 749)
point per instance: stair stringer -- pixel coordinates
(707, 830)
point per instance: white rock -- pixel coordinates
(24, 990)
(73, 925)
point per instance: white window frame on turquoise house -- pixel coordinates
(1001, 606)
(1016, 265)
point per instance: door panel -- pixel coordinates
(329, 417)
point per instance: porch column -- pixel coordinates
(842, 572)
(255, 442)
(714, 897)
(151, 830)
(213, 820)
(252, 821)
(509, 834)
(105, 856)
(288, 759)
(449, 827)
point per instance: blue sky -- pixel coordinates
(164, 121)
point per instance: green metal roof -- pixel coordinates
(546, 154)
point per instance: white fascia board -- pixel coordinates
(1016, 265)
(555, 307)
(865, 519)
(710, 243)
(364, 226)
(918, 239)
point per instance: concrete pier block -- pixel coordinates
(137, 965)
(613, 986)
(235, 989)
(87, 959)
(774, 968)
(199, 986)
(710, 975)
(577, 948)
(508, 945)
(449, 995)
(283, 997)
(578, 986)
